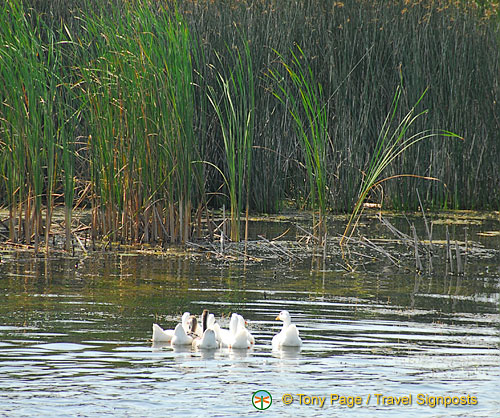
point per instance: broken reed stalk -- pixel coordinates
(460, 269)
(449, 257)
(466, 248)
(431, 252)
(324, 248)
(309, 235)
(429, 232)
(285, 252)
(405, 239)
(223, 229)
(365, 241)
(418, 262)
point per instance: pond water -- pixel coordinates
(75, 338)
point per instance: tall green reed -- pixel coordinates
(394, 140)
(139, 96)
(235, 112)
(437, 44)
(29, 119)
(137, 62)
(304, 99)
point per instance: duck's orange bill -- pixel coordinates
(277, 318)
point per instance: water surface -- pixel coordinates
(74, 339)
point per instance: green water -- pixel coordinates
(75, 335)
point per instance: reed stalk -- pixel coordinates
(305, 101)
(139, 98)
(28, 121)
(393, 141)
(130, 80)
(235, 112)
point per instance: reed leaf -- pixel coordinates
(392, 143)
(305, 101)
(235, 112)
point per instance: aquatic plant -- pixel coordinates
(107, 102)
(439, 46)
(137, 80)
(30, 119)
(393, 141)
(305, 101)
(235, 111)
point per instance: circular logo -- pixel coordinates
(262, 399)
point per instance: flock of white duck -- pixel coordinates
(210, 335)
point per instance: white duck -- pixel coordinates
(165, 335)
(239, 340)
(242, 337)
(224, 336)
(289, 335)
(208, 340)
(243, 323)
(180, 337)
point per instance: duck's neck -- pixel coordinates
(180, 331)
(194, 325)
(185, 320)
(204, 319)
(233, 324)
(286, 323)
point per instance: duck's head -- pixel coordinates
(284, 316)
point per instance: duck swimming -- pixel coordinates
(161, 335)
(207, 336)
(208, 339)
(241, 337)
(181, 337)
(225, 336)
(289, 334)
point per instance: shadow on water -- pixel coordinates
(76, 340)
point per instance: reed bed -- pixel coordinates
(153, 112)
(32, 121)
(136, 80)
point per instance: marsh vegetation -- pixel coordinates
(152, 114)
